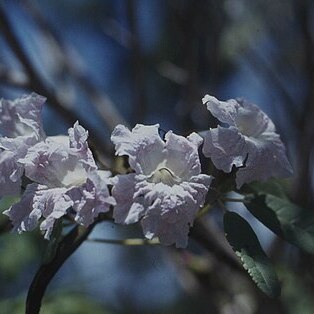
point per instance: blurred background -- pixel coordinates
(105, 62)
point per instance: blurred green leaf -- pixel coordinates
(244, 242)
(16, 252)
(7, 201)
(72, 304)
(287, 220)
(297, 296)
(276, 187)
(62, 303)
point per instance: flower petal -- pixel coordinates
(250, 142)
(195, 139)
(11, 173)
(225, 147)
(143, 145)
(11, 149)
(182, 156)
(129, 208)
(48, 163)
(53, 204)
(38, 201)
(78, 143)
(266, 158)
(167, 211)
(173, 210)
(54, 163)
(224, 111)
(22, 214)
(91, 198)
(22, 116)
(166, 189)
(252, 121)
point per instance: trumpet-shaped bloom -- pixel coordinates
(20, 127)
(166, 189)
(66, 176)
(248, 141)
(38, 202)
(92, 197)
(60, 160)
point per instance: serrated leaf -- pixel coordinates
(287, 220)
(244, 242)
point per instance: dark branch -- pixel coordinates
(47, 271)
(304, 187)
(37, 83)
(138, 67)
(103, 104)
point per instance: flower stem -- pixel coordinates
(222, 205)
(236, 200)
(129, 242)
(204, 210)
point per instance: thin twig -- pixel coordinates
(13, 78)
(129, 242)
(303, 185)
(222, 205)
(234, 200)
(37, 83)
(103, 104)
(140, 107)
(204, 210)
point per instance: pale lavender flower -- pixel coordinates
(248, 141)
(60, 160)
(166, 189)
(38, 202)
(66, 177)
(22, 116)
(20, 128)
(92, 197)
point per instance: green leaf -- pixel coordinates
(244, 242)
(287, 220)
(13, 248)
(62, 302)
(276, 187)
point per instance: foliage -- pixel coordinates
(247, 247)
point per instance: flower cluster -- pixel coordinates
(248, 142)
(62, 169)
(59, 176)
